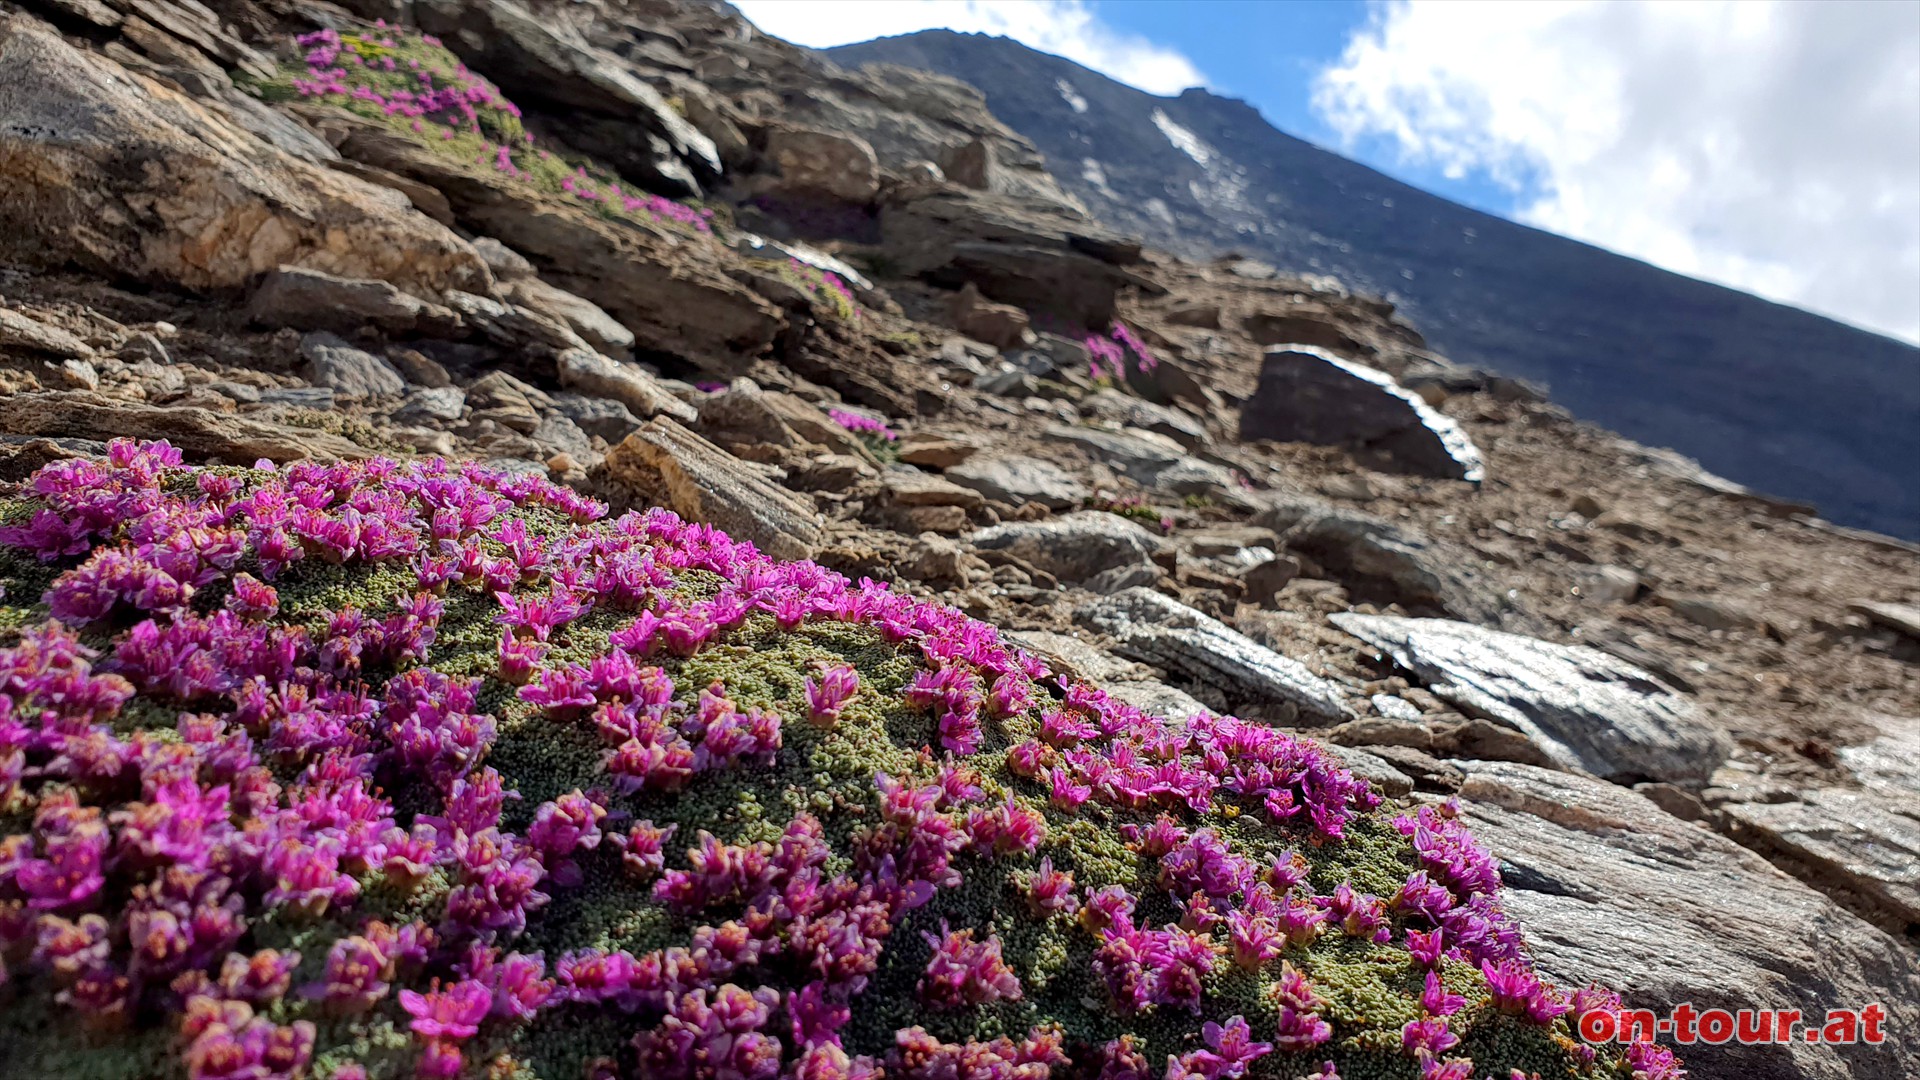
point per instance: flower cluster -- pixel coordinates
(1107, 353)
(861, 424)
(303, 752)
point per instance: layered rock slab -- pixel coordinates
(1307, 394)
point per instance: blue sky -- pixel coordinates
(1769, 145)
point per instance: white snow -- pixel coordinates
(1183, 140)
(1071, 95)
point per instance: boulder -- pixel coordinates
(610, 420)
(594, 375)
(1148, 459)
(824, 164)
(1584, 708)
(200, 433)
(664, 464)
(1386, 563)
(1075, 547)
(1133, 412)
(1901, 618)
(1307, 394)
(1001, 325)
(1255, 681)
(351, 373)
(1614, 890)
(933, 451)
(1156, 698)
(128, 178)
(1844, 843)
(304, 299)
(445, 404)
(1304, 324)
(24, 334)
(582, 316)
(1019, 480)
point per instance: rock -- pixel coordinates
(19, 332)
(933, 451)
(610, 420)
(1156, 698)
(1001, 325)
(1712, 613)
(1129, 411)
(1382, 562)
(1203, 316)
(1373, 768)
(419, 370)
(1256, 682)
(1306, 394)
(824, 163)
(1070, 655)
(1149, 460)
(77, 375)
(937, 519)
(560, 435)
(1010, 382)
(839, 472)
(1902, 618)
(508, 401)
(919, 489)
(667, 465)
(310, 300)
(144, 346)
(199, 433)
(443, 403)
(1845, 844)
(582, 316)
(1884, 764)
(1117, 579)
(1018, 480)
(1611, 889)
(353, 374)
(1077, 546)
(1583, 708)
(1265, 580)
(598, 376)
(317, 398)
(937, 560)
(1304, 324)
(128, 178)
(1610, 585)
(1396, 708)
(507, 264)
(747, 414)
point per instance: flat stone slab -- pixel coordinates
(1307, 394)
(1017, 480)
(1583, 708)
(1074, 547)
(1844, 838)
(1258, 682)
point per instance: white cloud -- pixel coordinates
(1066, 28)
(1774, 147)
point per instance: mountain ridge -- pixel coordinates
(1780, 399)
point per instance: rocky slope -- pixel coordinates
(1768, 395)
(642, 252)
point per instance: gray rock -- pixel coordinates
(1583, 708)
(1013, 382)
(557, 433)
(582, 316)
(1884, 765)
(1713, 613)
(1307, 394)
(1904, 618)
(1138, 413)
(507, 264)
(239, 392)
(594, 375)
(1372, 768)
(17, 331)
(508, 401)
(1156, 699)
(1384, 562)
(1612, 889)
(1140, 455)
(664, 464)
(144, 346)
(1019, 480)
(419, 370)
(443, 403)
(824, 163)
(203, 435)
(1074, 547)
(1842, 842)
(1070, 655)
(1610, 584)
(305, 299)
(319, 398)
(352, 374)
(1256, 681)
(1396, 708)
(610, 420)
(1121, 578)
(1264, 580)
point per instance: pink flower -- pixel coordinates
(451, 1014)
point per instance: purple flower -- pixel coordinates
(964, 972)
(452, 1014)
(826, 698)
(1300, 1026)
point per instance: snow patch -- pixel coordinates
(1183, 140)
(1070, 95)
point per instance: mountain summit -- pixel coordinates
(1771, 396)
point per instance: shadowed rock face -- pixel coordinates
(1586, 709)
(1307, 394)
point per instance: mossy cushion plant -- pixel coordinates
(386, 769)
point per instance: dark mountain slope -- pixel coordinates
(1776, 398)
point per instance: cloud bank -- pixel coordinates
(1773, 147)
(1066, 28)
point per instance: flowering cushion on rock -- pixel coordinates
(384, 769)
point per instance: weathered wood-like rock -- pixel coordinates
(351, 373)
(1385, 562)
(665, 464)
(19, 332)
(1074, 547)
(594, 375)
(1904, 618)
(1842, 841)
(1256, 681)
(1307, 394)
(200, 433)
(1583, 708)
(1613, 889)
(306, 299)
(1019, 480)
(582, 316)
